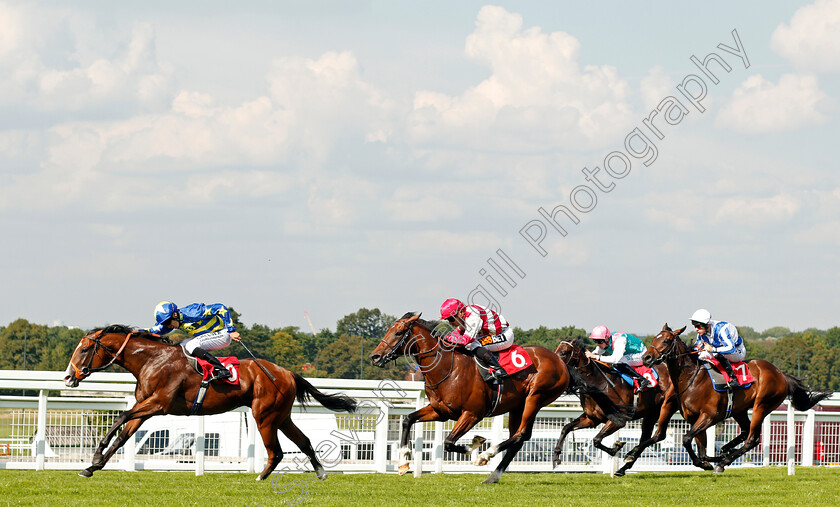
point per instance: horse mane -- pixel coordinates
(429, 325)
(139, 333)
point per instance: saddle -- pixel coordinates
(513, 359)
(206, 369)
(720, 379)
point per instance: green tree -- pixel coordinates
(287, 349)
(365, 323)
(821, 367)
(748, 333)
(776, 332)
(547, 337)
(340, 359)
(832, 337)
(791, 355)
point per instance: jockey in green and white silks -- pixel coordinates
(622, 350)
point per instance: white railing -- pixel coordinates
(60, 432)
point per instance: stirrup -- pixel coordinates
(220, 375)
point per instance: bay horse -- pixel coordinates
(655, 405)
(166, 384)
(457, 392)
(704, 407)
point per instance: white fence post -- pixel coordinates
(380, 445)
(765, 440)
(418, 437)
(199, 446)
(130, 446)
(791, 441)
(438, 447)
(41, 434)
(808, 432)
(252, 442)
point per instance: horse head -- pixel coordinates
(96, 351)
(666, 344)
(397, 340)
(573, 353)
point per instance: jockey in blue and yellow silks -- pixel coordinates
(211, 327)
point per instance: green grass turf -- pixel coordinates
(736, 487)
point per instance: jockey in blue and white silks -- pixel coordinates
(718, 339)
(211, 327)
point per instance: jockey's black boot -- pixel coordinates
(724, 363)
(219, 370)
(644, 383)
(485, 355)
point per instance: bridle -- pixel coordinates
(85, 371)
(394, 351)
(672, 352)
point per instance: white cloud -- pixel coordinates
(538, 94)
(655, 87)
(417, 204)
(760, 106)
(52, 60)
(811, 39)
(757, 211)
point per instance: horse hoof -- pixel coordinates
(629, 459)
(85, 473)
(476, 442)
(480, 462)
(493, 479)
(619, 473)
(403, 469)
(718, 469)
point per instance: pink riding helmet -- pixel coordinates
(601, 333)
(450, 308)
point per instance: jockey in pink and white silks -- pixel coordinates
(479, 330)
(718, 339)
(622, 350)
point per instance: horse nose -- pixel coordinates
(375, 358)
(647, 359)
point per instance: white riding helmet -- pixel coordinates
(702, 316)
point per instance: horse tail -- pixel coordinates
(334, 402)
(800, 396)
(619, 414)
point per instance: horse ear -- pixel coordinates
(665, 327)
(679, 331)
(415, 316)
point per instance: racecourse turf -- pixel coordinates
(736, 487)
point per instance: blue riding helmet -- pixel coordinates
(164, 311)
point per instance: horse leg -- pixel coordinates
(141, 411)
(608, 429)
(426, 413)
(698, 432)
(515, 442)
(99, 460)
(750, 441)
(294, 434)
(268, 425)
(583, 421)
(743, 420)
(666, 411)
(645, 441)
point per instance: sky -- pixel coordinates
(565, 163)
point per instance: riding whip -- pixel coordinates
(257, 361)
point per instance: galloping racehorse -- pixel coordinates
(166, 384)
(656, 404)
(457, 392)
(703, 407)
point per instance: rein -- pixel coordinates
(85, 371)
(672, 352)
(393, 352)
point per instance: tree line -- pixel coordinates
(813, 354)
